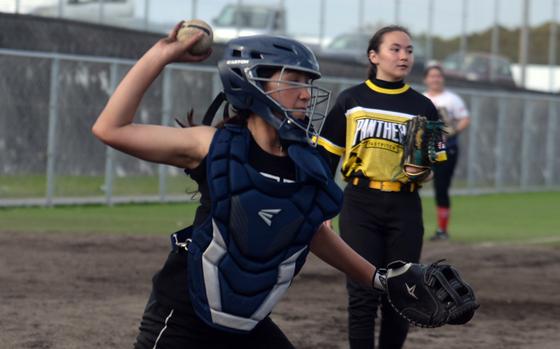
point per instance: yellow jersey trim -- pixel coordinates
(330, 147)
(385, 115)
(387, 91)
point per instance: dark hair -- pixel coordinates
(376, 41)
(434, 66)
(267, 72)
(239, 117)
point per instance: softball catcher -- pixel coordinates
(265, 193)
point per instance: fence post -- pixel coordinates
(109, 175)
(110, 152)
(550, 159)
(51, 137)
(472, 156)
(526, 142)
(216, 89)
(101, 15)
(501, 131)
(194, 8)
(165, 118)
(146, 12)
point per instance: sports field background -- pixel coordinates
(79, 276)
(519, 217)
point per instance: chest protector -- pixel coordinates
(243, 258)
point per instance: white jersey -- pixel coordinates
(451, 103)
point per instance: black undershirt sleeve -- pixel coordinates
(331, 159)
(334, 130)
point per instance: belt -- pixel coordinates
(384, 186)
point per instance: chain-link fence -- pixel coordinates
(48, 103)
(521, 32)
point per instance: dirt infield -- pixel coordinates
(88, 291)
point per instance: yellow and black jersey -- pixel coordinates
(366, 127)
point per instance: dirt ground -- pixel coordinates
(88, 291)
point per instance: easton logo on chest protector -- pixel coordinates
(268, 214)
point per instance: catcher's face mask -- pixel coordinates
(296, 100)
(287, 98)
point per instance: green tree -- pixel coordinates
(508, 43)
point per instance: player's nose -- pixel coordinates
(404, 55)
(305, 94)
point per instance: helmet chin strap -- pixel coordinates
(213, 108)
(289, 133)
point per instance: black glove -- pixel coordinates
(427, 295)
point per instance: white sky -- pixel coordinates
(342, 15)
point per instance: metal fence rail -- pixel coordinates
(48, 103)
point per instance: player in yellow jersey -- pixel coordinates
(381, 216)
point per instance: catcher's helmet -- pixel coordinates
(245, 68)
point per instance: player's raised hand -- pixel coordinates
(174, 50)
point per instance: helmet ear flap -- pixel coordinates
(249, 101)
(245, 102)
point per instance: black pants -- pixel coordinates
(443, 173)
(382, 227)
(166, 328)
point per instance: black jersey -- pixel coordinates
(366, 127)
(170, 284)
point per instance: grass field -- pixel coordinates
(33, 186)
(529, 217)
(526, 217)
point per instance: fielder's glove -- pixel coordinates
(427, 295)
(423, 146)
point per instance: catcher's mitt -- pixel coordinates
(429, 295)
(423, 146)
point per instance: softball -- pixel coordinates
(192, 27)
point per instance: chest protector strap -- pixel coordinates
(244, 256)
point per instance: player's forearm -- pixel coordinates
(329, 247)
(462, 124)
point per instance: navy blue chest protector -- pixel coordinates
(243, 258)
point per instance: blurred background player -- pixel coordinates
(453, 112)
(381, 217)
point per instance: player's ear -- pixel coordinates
(372, 55)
